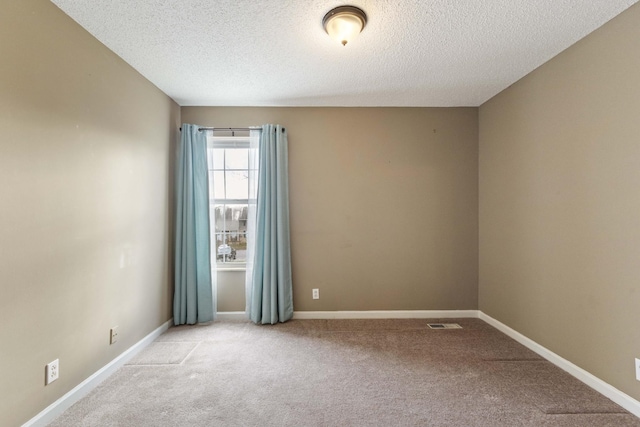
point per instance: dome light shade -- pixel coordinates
(344, 23)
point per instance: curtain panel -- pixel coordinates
(194, 295)
(268, 281)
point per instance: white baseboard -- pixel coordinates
(622, 399)
(231, 315)
(381, 314)
(86, 386)
(387, 314)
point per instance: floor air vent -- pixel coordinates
(444, 326)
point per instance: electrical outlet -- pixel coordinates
(113, 336)
(638, 369)
(315, 293)
(51, 372)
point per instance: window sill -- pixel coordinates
(231, 268)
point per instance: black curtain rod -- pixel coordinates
(229, 129)
(233, 129)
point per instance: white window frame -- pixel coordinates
(225, 142)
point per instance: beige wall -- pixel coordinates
(85, 163)
(231, 295)
(383, 204)
(560, 204)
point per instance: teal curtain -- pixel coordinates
(194, 296)
(269, 286)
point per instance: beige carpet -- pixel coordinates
(342, 373)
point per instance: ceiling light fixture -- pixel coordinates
(344, 23)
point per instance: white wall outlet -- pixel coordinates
(51, 372)
(315, 293)
(113, 335)
(638, 369)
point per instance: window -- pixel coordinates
(228, 162)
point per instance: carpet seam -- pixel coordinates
(191, 352)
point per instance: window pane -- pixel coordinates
(223, 251)
(231, 233)
(238, 243)
(218, 158)
(218, 185)
(237, 185)
(237, 158)
(219, 219)
(231, 218)
(235, 218)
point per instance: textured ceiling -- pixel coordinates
(276, 53)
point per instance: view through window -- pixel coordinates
(228, 160)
